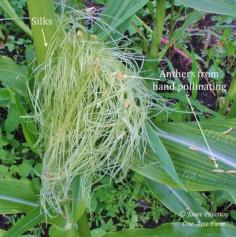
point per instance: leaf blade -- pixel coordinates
(224, 7)
(177, 229)
(178, 201)
(160, 151)
(7, 8)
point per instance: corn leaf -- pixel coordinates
(28, 125)
(222, 145)
(19, 189)
(7, 8)
(42, 34)
(9, 205)
(178, 201)
(233, 195)
(56, 232)
(190, 157)
(224, 7)
(22, 225)
(116, 13)
(232, 91)
(163, 156)
(178, 229)
(35, 217)
(232, 113)
(17, 196)
(13, 76)
(2, 232)
(78, 204)
(219, 125)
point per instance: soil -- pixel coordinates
(151, 223)
(4, 223)
(182, 64)
(207, 98)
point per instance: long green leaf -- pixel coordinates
(35, 217)
(222, 145)
(7, 8)
(55, 232)
(232, 113)
(190, 156)
(17, 196)
(9, 205)
(2, 232)
(224, 7)
(232, 90)
(30, 220)
(219, 125)
(29, 127)
(78, 204)
(18, 189)
(162, 155)
(13, 76)
(176, 230)
(178, 201)
(231, 98)
(233, 195)
(116, 13)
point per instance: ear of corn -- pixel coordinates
(91, 109)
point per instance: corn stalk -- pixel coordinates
(158, 28)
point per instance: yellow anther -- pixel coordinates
(79, 33)
(193, 148)
(127, 104)
(119, 76)
(218, 171)
(228, 131)
(231, 171)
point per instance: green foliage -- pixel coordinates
(13, 76)
(177, 229)
(36, 10)
(159, 20)
(17, 196)
(186, 147)
(178, 158)
(161, 153)
(18, 6)
(7, 8)
(123, 206)
(178, 201)
(104, 2)
(224, 7)
(117, 15)
(13, 43)
(33, 218)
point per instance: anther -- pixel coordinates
(231, 171)
(218, 171)
(228, 131)
(119, 76)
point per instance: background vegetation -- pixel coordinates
(183, 35)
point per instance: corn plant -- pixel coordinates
(93, 112)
